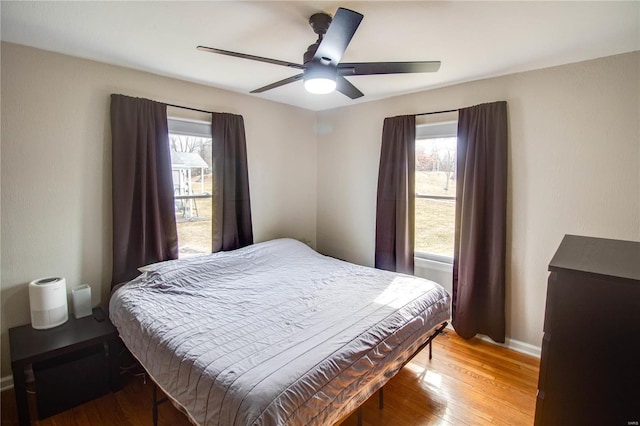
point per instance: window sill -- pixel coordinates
(443, 265)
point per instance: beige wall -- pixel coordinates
(56, 168)
(573, 168)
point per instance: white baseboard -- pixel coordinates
(6, 383)
(516, 345)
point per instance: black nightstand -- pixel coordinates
(72, 363)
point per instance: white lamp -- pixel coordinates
(320, 79)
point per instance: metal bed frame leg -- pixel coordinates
(154, 408)
(380, 405)
(430, 351)
(156, 402)
(439, 330)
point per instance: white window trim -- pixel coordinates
(424, 260)
(433, 257)
(442, 129)
(187, 127)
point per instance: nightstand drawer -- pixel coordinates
(70, 380)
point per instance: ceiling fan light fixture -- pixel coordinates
(320, 86)
(320, 80)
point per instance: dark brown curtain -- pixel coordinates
(480, 225)
(395, 212)
(144, 224)
(232, 227)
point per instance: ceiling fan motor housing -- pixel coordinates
(320, 23)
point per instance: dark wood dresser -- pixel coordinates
(590, 365)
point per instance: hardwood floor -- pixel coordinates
(466, 383)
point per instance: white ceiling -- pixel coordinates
(473, 39)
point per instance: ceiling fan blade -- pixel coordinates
(252, 57)
(335, 41)
(371, 68)
(278, 83)
(345, 87)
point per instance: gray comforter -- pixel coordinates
(274, 333)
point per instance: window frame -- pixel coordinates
(437, 130)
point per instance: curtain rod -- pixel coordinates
(209, 112)
(437, 112)
(192, 109)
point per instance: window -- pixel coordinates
(192, 185)
(435, 190)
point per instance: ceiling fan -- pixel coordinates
(322, 71)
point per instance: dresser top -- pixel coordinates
(598, 256)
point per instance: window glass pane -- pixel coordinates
(434, 226)
(192, 187)
(435, 195)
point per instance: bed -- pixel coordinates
(273, 333)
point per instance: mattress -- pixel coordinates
(273, 333)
